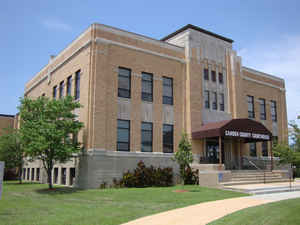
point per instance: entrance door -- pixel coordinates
(213, 153)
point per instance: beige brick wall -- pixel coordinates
(6, 122)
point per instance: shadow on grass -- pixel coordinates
(57, 190)
(17, 183)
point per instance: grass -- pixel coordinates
(278, 213)
(35, 204)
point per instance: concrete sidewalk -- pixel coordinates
(204, 213)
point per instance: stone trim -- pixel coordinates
(104, 152)
(262, 74)
(106, 41)
(263, 83)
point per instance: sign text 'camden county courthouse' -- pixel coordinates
(246, 135)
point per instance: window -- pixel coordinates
(54, 92)
(222, 102)
(28, 172)
(77, 85)
(167, 138)
(24, 173)
(147, 137)
(262, 105)
(206, 76)
(250, 100)
(147, 87)
(69, 85)
(167, 91)
(55, 175)
(264, 148)
(32, 174)
(124, 83)
(252, 149)
(273, 111)
(61, 89)
(220, 78)
(43, 95)
(63, 176)
(206, 99)
(123, 139)
(37, 174)
(213, 76)
(72, 176)
(215, 101)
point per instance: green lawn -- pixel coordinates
(33, 204)
(278, 213)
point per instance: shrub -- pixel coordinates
(191, 176)
(143, 176)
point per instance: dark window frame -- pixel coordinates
(222, 102)
(122, 91)
(69, 86)
(215, 101)
(61, 89)
(122, 142)
(252, 151)
(54, 92)
(147, 132)
(274, 111)
(146, 96)
(213, 76)
(166, 144)
(206, 99)
(77, 84)
(168, 100)
(264, 148)
(250, 100)
(206, 74)
(221, 78)
(262, 108)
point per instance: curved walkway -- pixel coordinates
(207, 212)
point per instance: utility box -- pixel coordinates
(1, 177)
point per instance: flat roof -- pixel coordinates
(190, 26)
(6, 115)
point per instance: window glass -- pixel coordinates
(146, 137)
(215, 101)
(262, 103)
(221, 78)
(147, 87)
(61, 89)
(222, 104)
(213, 76)
(69, 85)
(167, 138)
(273, 111)
(206, 99)
(123, 135)
(54, 94)
(264, 148)
(77, 85)
(253, 149)
(250, 100)
(206, 76)
(167, 91)
(124, 83)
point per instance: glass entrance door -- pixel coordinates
(213, 153)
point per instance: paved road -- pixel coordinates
(206, 212)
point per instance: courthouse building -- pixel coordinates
(139, 94)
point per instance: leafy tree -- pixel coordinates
(49, 129)
(295, 135)
(184, 156)
(11, 151)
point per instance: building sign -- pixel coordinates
(1, 176)
(250, 135)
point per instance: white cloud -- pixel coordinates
(281, 58)
(55, 24)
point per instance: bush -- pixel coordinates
(191, 176)
(144, 176)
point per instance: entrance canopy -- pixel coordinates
(246, 129)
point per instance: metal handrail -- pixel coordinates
(253, 164)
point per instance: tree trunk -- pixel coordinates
(49, 173)
(20, 174)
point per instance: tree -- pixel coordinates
(295, 135)
(11, 151)
(184, 156)
(49, 130)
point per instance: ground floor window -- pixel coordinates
(32, 173)
(55, 175)
(37, 174)
(28, 172)
(168, 138)
(72, 176)
(63, 175)
(253, 149)
(123, 139)
(146, 137)
(24, 173)
(264, 148)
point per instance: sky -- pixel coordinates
(266, 34)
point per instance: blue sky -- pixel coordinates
(266, 34)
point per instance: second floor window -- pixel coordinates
(273, 111)
(167, 91)
(54, 94)
(61, 89)
(250, 100)
(69, 85)
(123, 135)
(147, 87)
(213, 76)
(77, 85)
(146, 137)
(222, 102)
(220, 78)
(206, 99)
(262, 105)
(124, 83)
(167, 138)
(206, 76)
(215, 101)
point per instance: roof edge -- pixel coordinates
(190, 26)
(7, 115)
